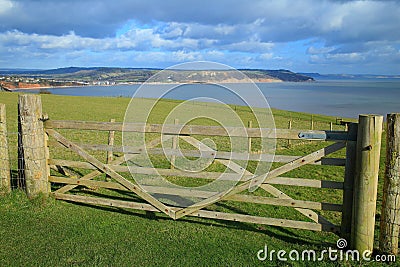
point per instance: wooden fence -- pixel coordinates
(5, 172)
(66, 178)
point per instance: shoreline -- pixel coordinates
(130, 83)
(42, 87)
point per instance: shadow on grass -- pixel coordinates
(283, 234)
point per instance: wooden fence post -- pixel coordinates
(33, 144)
(110, 154)
(368, 148)
(5, 172)
(111, 136)
(390, 215)
(348, 184)
(312, 122)
(174, 145)
(289, 127)
(249, 125)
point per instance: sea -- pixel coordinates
(340, 98)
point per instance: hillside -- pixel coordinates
(318, 76)
(134, 75)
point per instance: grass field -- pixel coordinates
(43, 232)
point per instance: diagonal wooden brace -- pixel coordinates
(106, 169)
(272, 174)
(117, 161)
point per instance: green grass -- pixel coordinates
(43, 232)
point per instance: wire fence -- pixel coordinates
(14, 162)
(282, 118)
(11, 163)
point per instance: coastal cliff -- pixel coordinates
(74, 76)
(14, 84)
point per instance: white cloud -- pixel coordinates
(141, 39)
(249, 46)
(347, 58)
(71, 41)
(5, 6)
(319, 50)
(184, 56)
(266, 56)
(371, 53)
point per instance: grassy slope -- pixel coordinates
(49, 233)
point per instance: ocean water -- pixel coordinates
(343, 98)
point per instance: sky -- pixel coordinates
(325, 36)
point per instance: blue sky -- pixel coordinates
(326, 36)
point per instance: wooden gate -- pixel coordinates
(97, 173)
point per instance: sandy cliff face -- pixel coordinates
(25, 85)
(20, 85)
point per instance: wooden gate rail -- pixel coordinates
(173, 129)
(204, 194)
(206, 154)
(203, 213)
(203, 175)
(362, 143)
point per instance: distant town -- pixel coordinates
(18, 82)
